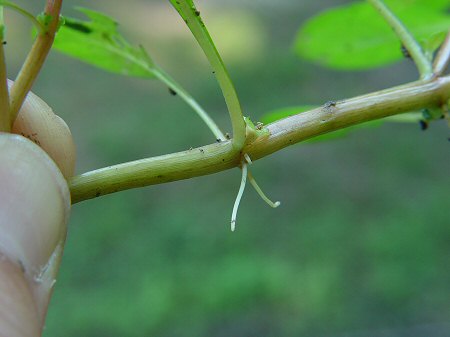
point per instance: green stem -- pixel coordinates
(422, 63)
(193, 20)
(222, 156)
(5, 125)
(22, 11)
(185, 96)
(35, 59)
(442, 58)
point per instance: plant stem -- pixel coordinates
(4, 93)
(422, 63)
(442, 58)
(26, 14)
(222, 156)
(35, 59)
(185, 96)
(193, 20)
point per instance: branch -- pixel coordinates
(222, 156)
(35, 58)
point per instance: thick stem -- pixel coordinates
(442, 58)
(222, 156)
(35, 59)
(407, 39)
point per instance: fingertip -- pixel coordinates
(34, 209)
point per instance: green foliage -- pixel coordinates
(98, 43)
(355, 36)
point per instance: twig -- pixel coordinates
(442, 58)
(222, 156)
(412, 46)
(35, 58)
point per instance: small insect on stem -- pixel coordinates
(405, 52)
(423, 125)
(329, 104)
(172, 92)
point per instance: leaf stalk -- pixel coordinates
(412, 46)
(35, 59)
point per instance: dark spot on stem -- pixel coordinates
(423, 125)
(405, 52)
(97, 194)
(159, 176)
(4, 43)
(172, 92)
(329, 104)
(197, 12)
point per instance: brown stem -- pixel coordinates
(35, 59)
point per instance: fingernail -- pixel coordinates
(34, 208)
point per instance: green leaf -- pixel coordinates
(281, 113)
(98, 43)
(355, 37)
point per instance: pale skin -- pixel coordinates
(34, 209)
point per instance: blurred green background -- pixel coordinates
(359, 246)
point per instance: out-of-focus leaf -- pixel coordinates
(278, 114)
(355, 36)
(409, 117)
(273, 116)
(98, 43)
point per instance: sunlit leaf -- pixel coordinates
(355, 36)
(98, 43)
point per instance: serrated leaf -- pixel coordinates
(98, 42)
(356, 37)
